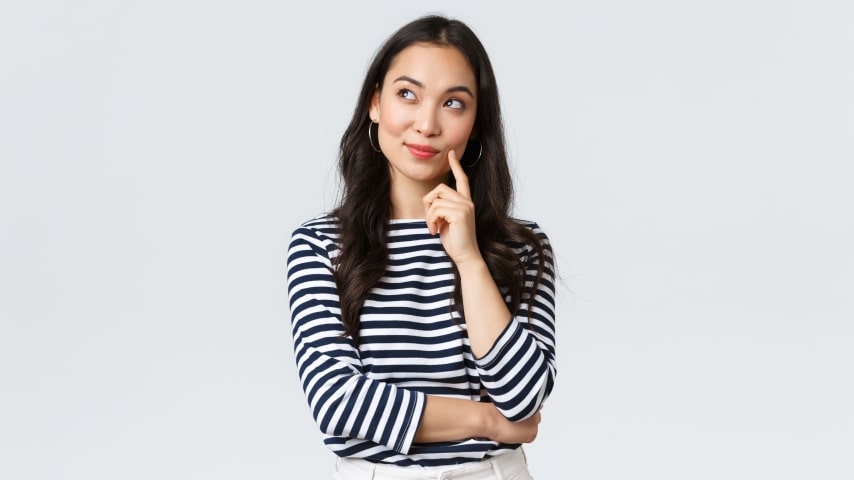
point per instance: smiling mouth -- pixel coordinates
(421, 151)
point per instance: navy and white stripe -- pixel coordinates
(368, 401)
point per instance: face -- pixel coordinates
(427, 107)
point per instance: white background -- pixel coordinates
(691, 161)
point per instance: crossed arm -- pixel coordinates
(338, 391)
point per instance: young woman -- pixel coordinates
(422, 313)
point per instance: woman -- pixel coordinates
(423, 314)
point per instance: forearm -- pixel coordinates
(486, 313)
(515, 362)
(449, 419)
(452, 419)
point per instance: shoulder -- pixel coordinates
(324, 225)
(533, 227)
(531, 242)
(319, 233)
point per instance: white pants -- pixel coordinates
(509, 466)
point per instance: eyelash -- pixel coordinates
(404, 92)
(462, 104)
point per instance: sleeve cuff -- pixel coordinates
(505, 340)
(414, 413)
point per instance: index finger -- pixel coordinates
(460, 176)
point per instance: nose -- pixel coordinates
(427, 121)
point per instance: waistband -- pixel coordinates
(506, 465)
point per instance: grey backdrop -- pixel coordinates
(691, 161)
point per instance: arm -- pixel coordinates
(487, 314)
(519, 369)
(343, 401)
(515, 359)
(447, 419)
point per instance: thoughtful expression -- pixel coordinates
(426, 107)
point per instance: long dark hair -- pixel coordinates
(365, 206)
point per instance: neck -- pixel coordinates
(407, 198)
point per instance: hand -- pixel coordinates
(505, 431)
(450, 213)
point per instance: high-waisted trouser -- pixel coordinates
(509, 466)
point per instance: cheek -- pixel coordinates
(460, 131)
(393, 120)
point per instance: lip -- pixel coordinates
(421, 151)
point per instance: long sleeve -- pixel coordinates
(342, 399)
(369, 400)
(519, 370)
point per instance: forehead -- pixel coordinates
(433, 65)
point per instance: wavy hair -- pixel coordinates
(364, 207)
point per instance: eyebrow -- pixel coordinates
(458, 88)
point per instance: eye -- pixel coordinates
(406, 93)
(455, 104)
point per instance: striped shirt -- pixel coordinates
(368, 400)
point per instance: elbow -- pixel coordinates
(522, 403)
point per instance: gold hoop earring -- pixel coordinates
(479, 153)
(370, 138)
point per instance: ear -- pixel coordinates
(374, 111)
